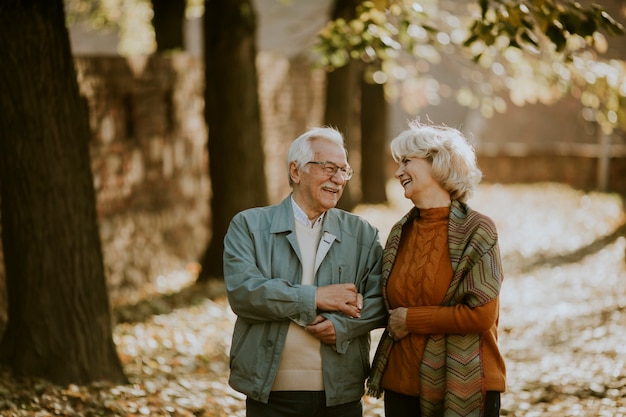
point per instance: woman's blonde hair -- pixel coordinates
(452, 157)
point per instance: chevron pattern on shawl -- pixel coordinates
(453, 383)
(475, 258)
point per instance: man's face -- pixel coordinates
(316, 191)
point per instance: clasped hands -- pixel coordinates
(337, 297)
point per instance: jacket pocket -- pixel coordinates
(240, 333)
(345, 275)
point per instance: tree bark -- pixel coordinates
(167, 20)
(374, 153)
(343, 101)
(232, 111)
(59, 325)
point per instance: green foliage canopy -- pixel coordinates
(531, 50)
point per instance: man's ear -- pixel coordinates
(294, 172)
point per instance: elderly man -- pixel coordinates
(303, 278)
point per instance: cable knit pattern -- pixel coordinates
(420, 277)
(417, 265)
(452, 374)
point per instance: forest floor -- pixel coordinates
(562, 324)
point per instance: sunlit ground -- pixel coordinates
(563, 299)
(561, 328)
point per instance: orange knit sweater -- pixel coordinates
(419, 280)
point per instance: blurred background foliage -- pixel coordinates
(527, 51)
(530, 51)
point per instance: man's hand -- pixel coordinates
(323, 330)
(339, 297)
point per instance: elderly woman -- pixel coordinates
(441, 282)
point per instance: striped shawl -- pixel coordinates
(451, 375)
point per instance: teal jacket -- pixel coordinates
(262, 271)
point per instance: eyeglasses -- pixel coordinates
(330, 169)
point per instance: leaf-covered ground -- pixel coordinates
(562, 325)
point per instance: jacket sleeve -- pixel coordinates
(373, 314)
(253, 296)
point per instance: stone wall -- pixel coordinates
(538, 143)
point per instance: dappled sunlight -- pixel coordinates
(181, 358)
(563, 309)
(556, 221)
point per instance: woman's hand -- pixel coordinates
(397, 323)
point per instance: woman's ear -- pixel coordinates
(294, 172)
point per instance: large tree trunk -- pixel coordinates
(373, 143)
(59, 324)
(343, 107)
(167, 20)
(232, 110)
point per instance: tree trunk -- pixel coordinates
(373, 143)
(59, 324)
(167, 20)
(342, 112)
(232, 111)
(343, 107)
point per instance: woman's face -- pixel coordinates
(415, 176)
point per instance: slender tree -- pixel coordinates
(59, 324)
(232, 111)
(168, 20)
(343, 103)
(374, 131)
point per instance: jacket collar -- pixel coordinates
(285, 221)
